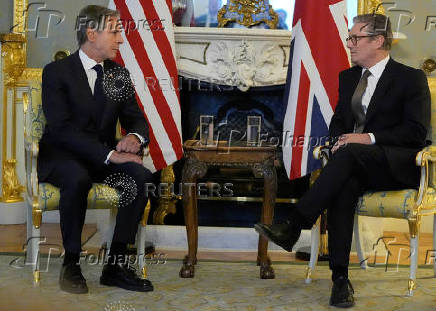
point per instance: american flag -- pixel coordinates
(318, 54)
(148, 52)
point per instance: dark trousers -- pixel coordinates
(351, 171)
(74, 179)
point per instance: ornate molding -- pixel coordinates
(370, 6)
(234, 57)
(30, 75)
(11, 188)
(246, 64)
(20, 7)
(167, 200)
(248, 13)
(14, 56)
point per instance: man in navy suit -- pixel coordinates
(379, 125)
(78, 146)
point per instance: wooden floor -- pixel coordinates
(13, 238)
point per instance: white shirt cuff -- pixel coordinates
(139, 137)
(108, 157)
(372, 137)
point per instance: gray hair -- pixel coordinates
(92, 16)
(377, 24)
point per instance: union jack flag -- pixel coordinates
(318, 54)
(148, 52)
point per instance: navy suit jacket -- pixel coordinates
(69, 107)
(398, 115)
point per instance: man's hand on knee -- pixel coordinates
(354, 138)
(123, 157)
(130, 144)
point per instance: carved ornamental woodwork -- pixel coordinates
(242, 58)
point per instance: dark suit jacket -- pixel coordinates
(69, 107)
(398, 114)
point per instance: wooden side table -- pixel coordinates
(198, 159)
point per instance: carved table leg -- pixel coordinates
(191, 171)
(269, 198)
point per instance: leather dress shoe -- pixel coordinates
(124, 276)
(71, 279)
(342, 293)
(284, 235)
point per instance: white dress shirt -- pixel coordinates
(376, 72)
(91, 74)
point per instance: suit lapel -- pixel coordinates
(109, 103)
(81, 76)
(380, 90)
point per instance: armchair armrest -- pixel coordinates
(31, 155)
(322, 153)
(426, 160)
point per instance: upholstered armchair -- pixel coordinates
(407, 204)
(43, 197)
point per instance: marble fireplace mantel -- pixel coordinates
(235, 57)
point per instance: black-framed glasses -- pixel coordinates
(355, 38)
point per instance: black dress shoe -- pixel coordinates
(124, 276)
(342, 293)
(284, 235)
(71, 279)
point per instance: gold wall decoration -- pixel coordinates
(19, 23)
(11, 188)
(14, 56)
(370, 6)
(29, 75)
(242, 11)
(13, 65)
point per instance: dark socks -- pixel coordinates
(337, 272)
(296, 218)
(117, 253)
(71, 258)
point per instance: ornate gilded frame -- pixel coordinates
(370, 6)
(246, 9)
(16, 74)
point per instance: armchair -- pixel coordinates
(43, 197)
(407, 204)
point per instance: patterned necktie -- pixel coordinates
(356, 102)
(99, 95)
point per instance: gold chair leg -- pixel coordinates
(36, 278)
(146, 214)
(144, 272)
(167, 200)
(308, 273)
(36, 221)
(36, 216)
(411, 286)
(414, 226)
(142, 267)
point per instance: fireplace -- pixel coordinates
(231, 74)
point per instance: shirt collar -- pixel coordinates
(378, 68)
(87, 62)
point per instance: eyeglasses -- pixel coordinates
(355, 38)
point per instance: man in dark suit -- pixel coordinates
(379, 125)
(78, 146)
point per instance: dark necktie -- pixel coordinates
(356, 102)
(99, 95)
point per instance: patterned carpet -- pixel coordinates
(217, 286)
